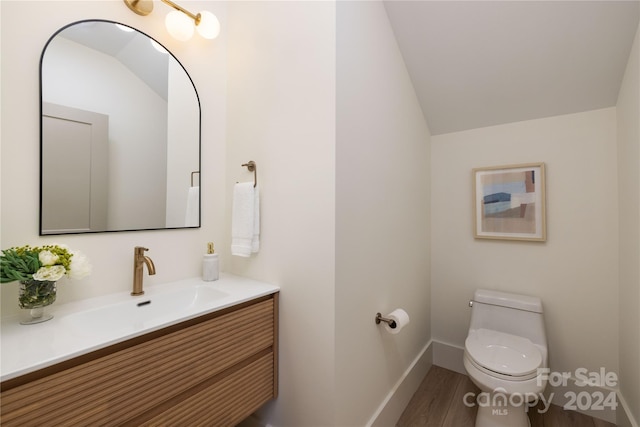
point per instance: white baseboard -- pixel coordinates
(625, 418)
(581, 398)
(399, 396)
(450, 356)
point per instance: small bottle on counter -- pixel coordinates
(210, 267)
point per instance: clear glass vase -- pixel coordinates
(34, 296)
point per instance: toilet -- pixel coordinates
(504, 354)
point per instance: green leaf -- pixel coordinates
(18, 264)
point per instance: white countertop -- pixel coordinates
(26, 348)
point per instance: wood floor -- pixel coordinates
(438, 402)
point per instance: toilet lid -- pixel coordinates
(503, 353)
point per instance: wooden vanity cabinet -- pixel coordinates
(214, 370)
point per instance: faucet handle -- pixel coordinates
(140, 249)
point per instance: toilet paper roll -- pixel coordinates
(400, 317)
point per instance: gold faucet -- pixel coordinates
(138, 259)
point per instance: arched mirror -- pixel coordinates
(120, 133)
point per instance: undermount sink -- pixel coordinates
(141, 312)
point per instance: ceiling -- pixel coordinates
(131, 48)
(481, 63)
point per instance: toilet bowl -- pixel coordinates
(505, 352)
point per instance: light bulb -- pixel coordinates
(209, 26)
(179, 25)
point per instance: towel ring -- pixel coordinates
(193, 173)
(252, 167)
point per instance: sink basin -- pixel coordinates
(141, 312)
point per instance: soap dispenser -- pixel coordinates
(210, 266)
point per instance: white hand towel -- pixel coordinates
(245, 218)
(193, 204)
(255, 241)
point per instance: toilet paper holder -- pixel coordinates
(391, 322)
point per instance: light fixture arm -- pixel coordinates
(196, 18)
(205, 22)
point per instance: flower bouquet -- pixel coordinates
(38, 269)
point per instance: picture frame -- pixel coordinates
(509, 202)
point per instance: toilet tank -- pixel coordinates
(514, 314)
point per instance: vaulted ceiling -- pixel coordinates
(132, 48)
(481, 63)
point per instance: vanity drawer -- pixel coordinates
(122, 382)
(222, 403)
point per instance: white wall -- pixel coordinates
(333, 199)
(575, 272)
(628, 111)
(177, 253)
(382, 213)
(281, 114)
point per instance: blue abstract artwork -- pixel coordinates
(508, 202)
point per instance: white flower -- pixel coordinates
(47, 258)
(50, 274)
(79, 267)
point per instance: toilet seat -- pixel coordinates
(509, 356)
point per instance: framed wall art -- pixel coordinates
(510, 202)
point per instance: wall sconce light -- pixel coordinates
(180, 22)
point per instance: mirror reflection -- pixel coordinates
(120, 133)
